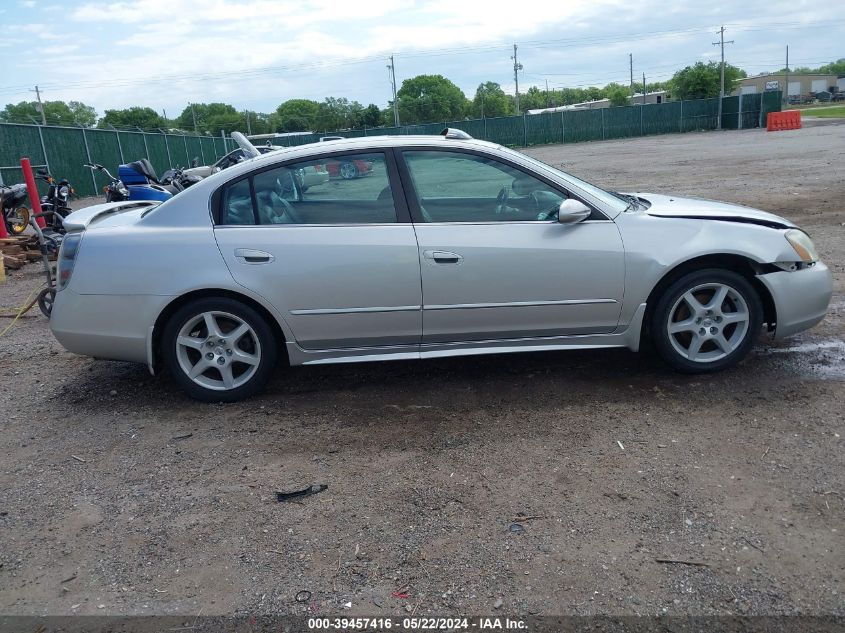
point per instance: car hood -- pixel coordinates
(698, 209)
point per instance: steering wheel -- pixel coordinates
(502, 201)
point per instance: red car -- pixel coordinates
(348, 169)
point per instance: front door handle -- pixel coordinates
(251, 256)
(442, 257)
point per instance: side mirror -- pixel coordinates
(572, 211)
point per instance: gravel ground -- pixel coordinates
(458, 486)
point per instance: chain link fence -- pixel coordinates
(63, 150)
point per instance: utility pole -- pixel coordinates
(392, 69)
(40, 105)
(631, 65)
(194, 115)
(516, 68)
(248, 126)
(785, 96)
(547, 93)
(643, 88)
(722, 43)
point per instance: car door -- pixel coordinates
(339, 260)
(496, 263)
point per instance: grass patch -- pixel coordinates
(826, 112)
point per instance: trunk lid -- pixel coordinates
(108, 215)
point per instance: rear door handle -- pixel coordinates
(442, 257)
(251, 256)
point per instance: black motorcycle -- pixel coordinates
(176, 180)
(115, 191)
(15, 212)
(55, 204)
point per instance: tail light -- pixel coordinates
(67, 259)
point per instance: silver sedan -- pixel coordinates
(450, 246)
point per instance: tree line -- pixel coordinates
(420, 99)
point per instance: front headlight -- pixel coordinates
(803, 245)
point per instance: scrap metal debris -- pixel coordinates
(295, 495)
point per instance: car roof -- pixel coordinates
(368, 142)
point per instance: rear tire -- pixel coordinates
(706, 321)
(219, 349)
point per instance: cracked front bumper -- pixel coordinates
(801, 297)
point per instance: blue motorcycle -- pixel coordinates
(138, 181)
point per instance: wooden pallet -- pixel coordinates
(17, 251)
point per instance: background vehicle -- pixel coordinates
(56, 204)
(115, 190)
(15, 211)
(142, 182)
(451, 246)
(232, 158)
(348, 169)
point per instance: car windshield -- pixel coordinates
(614, 200)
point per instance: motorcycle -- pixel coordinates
(15, 212)
(143, 184)
(55, 204)
(115, 191)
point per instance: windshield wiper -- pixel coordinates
(633, 201)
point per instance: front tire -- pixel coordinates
(706, 321)
(219, 349)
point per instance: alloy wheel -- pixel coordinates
(348, 171)
(218, 350)
(708, 322)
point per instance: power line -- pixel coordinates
(245, 74)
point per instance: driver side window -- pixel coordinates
(461, 187)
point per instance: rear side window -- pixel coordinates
(352, 189)
(237, 204)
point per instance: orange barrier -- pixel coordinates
(786, 120)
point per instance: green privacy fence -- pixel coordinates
(574, 126)
(64, 150)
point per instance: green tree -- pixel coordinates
(369, 116)
(702, 81)
(339, 113)
(297, 115)
(430, 98)
(83, 115)
(73, 113)
(534, 99)
(491, 101)
(617, 93)
(262, 123)
(136, 116)
(213, 117)
(834, 68)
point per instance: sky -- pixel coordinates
(256, 54)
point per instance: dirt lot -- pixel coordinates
(118, 495)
